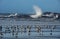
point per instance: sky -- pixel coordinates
(26, 6)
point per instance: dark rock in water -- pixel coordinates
(5, 15)
(0, 28)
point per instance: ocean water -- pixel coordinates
(43, 23)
